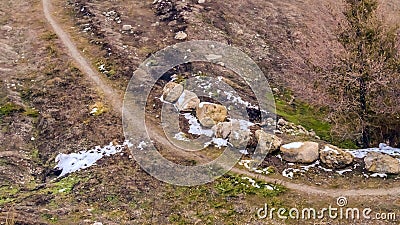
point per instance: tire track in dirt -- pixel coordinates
(116, 103)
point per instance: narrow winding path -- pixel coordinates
(116, 102)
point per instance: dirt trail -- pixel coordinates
(111, 95)
(116, 103)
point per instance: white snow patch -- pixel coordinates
(325, 169)
(94, 111)
(383, 148)
(288, 173)
(293, 145)
(142, 145)
(306, 168)
(73, 162)
(195, 127)
(244, 152)
(252, 182)
(341, 172)
(381, 175)
(163, 101)
(220, 142)
(328, 149)
(181, 137)
(244, 124)
(245, 163)
(181, 98)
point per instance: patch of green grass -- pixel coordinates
(35, 154)
(311, 118)
(305, 115)
(233, 185)
(106, 68)
(31, 112)
(65, 185)
(7, 194)
(49, 217)
(97, 109)
(177, 219)
(9, 108)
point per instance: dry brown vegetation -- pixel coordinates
(294, 42)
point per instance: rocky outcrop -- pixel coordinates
(300, 152)
(188, 101)
(267, 143)
(334, 157)
(209, 114)
(172, 91)
(381, 163)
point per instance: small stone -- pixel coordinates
(201, 1)
(282, 122)
(6, 28)
(126, 27)
(181, 35)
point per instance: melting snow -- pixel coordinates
(328, 149)
(288, 173)
(94, 111)
(73, 162)
(306, 168)
(381, 175)
(383, 148)
(141, 145)
(293, 145)
(246, 164)
(325, 169)
(195, 127)
(341, 172)
(244, 152)
(181, 137)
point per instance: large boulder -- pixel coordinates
(222, 130)
(210, 114)
(267, 143)
(334, 157)
(300, 152)
(239, 138)
(172, 91)
(381, 163)
(188, 101)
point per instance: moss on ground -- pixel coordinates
(9, 108)
(310, 117)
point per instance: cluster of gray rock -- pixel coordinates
(215, 116)
(285, 127)
(335, 158)
(210, 115)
